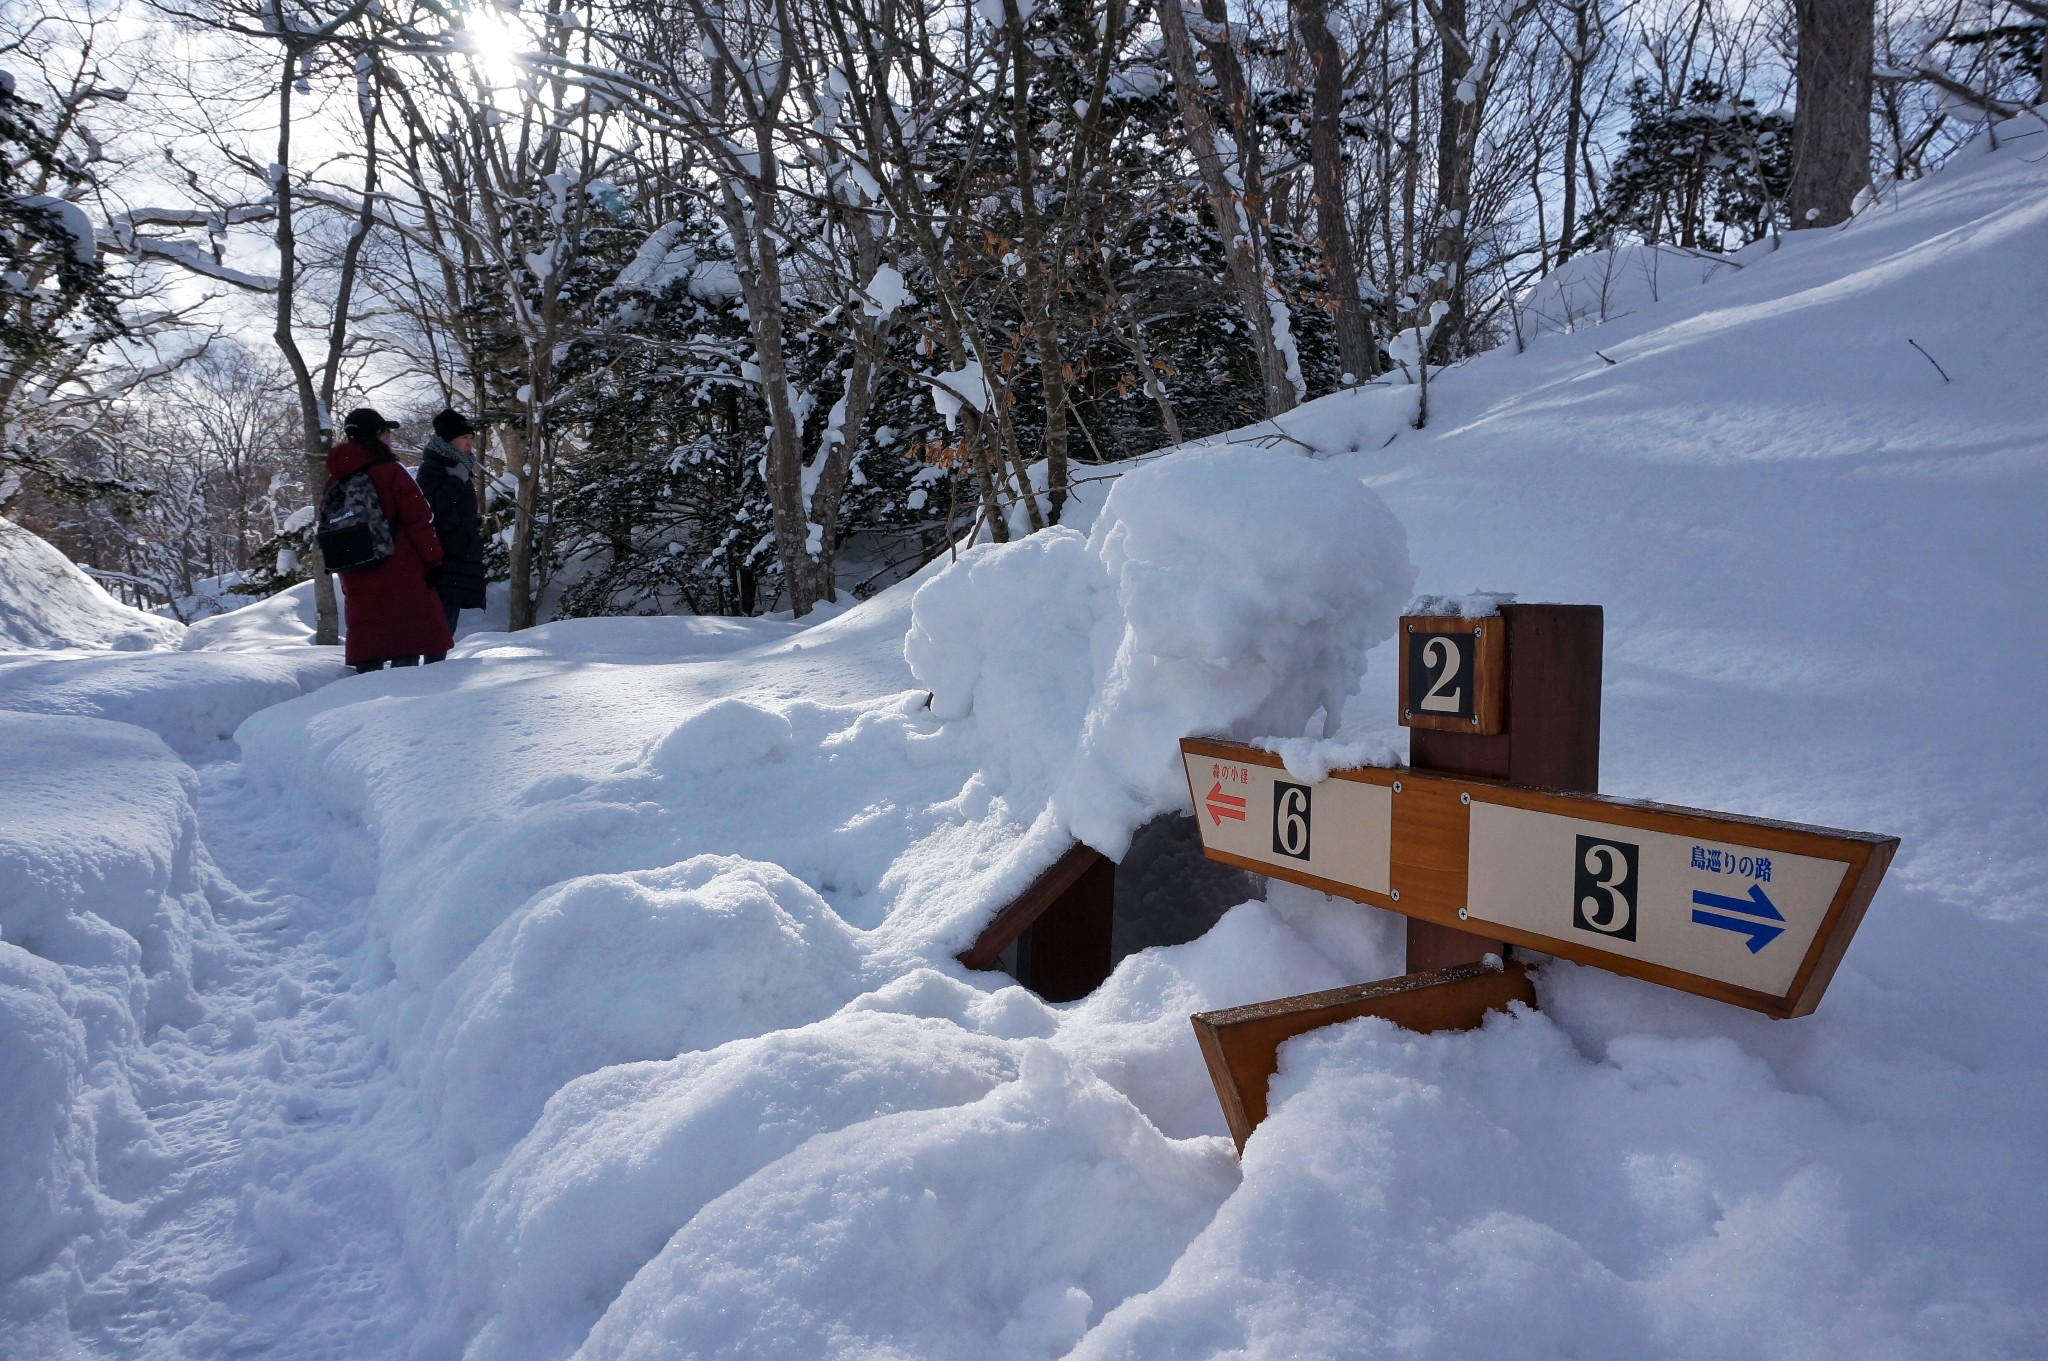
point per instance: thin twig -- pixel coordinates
(1611, 361)
(1930, 358)
(1268, 438)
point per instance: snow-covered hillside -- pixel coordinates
(592, 993)
(47, 602)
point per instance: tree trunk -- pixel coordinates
(1247, 277)
(1831, 123)
(1457, 129)
(522, 459)
(1357, 355)
(1042, 275)
(760, 271)
(315, 423)
(1574, 116)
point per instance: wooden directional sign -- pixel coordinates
(1453, 673)
(1336, 835)
(1743, 910)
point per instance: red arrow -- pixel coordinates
(1222, 805)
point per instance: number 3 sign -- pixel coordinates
(1452, 673)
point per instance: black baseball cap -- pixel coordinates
(367, 420)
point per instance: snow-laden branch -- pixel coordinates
(187, 256)
(124, 225)
(1987, 103)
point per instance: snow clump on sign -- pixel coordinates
(1222, 593)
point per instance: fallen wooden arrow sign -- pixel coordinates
(1743, 910)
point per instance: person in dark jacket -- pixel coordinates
(448, 478)
(392, 613)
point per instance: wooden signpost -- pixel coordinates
(1743, 910)
(1739, 909)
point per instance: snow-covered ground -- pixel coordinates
(591, 993)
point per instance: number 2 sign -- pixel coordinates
(1452, 673)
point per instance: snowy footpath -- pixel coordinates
(592, 994)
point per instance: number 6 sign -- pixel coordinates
(1290, 820)
(1452, 673)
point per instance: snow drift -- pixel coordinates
(1223, 593)
(643, 863)
(46, 602)
(106, 933)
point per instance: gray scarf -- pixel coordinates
(442, 449)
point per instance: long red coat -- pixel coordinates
(390, 609)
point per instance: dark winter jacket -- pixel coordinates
(445, 480)
(390, 610)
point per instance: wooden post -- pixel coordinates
(1551, 740)
(1065, 954)
(1061, 926)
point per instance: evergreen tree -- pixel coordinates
(1709, 171)
(57, 302)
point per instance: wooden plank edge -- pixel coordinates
(1792, 837)
(1027, 907)
(1241, 1072)
(1532, 798)
(1838, 928)
(1332, 887)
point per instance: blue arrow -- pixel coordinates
(1755, 905)
(1760, 933)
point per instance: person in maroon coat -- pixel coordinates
(394, 618)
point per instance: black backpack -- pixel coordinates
(352, 531)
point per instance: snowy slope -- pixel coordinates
(46, 602)
(1822, 568)
(222, 670)
(591, 993)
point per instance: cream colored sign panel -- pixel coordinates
(1340, 830)
(1717, 909)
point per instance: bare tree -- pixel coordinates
(1232, 200)
(1357, 351)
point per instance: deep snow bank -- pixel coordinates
(194, 701)
(193, 691)
(47, 603)
(912, 823)
(1603, 286)
(106, 930)
(1221, 593)
(270, 624)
